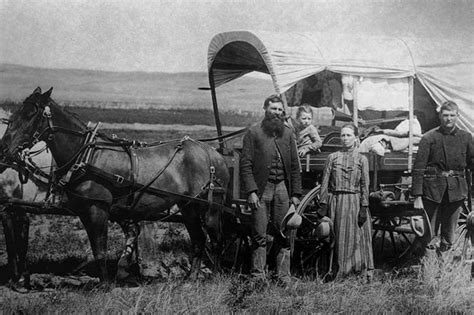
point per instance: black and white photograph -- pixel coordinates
(233, 156)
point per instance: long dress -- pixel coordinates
(345, 188)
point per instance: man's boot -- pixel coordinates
(283, 266)
(259, 260)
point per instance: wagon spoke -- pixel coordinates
(392, 238)
(406, 238)
(383, 241)
(462, 235)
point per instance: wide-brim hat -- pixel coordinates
(420, 225)
(291, 220)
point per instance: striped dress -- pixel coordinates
(345, 188)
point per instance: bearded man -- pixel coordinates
(270, 174)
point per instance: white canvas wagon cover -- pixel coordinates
(444, 67)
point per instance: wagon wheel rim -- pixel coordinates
(304, 203)
(464, 216)
(308, 253)
(464, 242)
(401, 233)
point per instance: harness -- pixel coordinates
(79, 168)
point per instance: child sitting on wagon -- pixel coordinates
(307, 136)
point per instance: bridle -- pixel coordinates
(23, 159)
(47, 133)
(25, 165)
(37, 135)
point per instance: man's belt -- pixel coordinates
(450, 173)
(275, 181)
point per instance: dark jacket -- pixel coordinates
(256, 159)
(439, 152)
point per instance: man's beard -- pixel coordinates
(273, 125)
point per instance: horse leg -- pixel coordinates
(16, 227)
(213, 226)
(22, 228)
(10, 240)
(129, 255)
(192, 221)
(95, 221)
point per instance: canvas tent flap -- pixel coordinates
(444, 68)
(383, 94)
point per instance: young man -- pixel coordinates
(270, 174)
(439, 182)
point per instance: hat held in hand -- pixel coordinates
(292, 219)
(417, 225)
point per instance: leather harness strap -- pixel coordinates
(79, 166)
(125, 183)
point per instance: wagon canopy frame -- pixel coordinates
(444, 67)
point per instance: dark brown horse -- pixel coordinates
(122, 181)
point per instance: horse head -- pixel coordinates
(27, 125)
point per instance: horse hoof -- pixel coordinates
(18, 287)
(129, 282)
(121, 274)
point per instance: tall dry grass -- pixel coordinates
(440, 286)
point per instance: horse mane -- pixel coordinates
(64, 110)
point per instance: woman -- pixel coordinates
(345, 199)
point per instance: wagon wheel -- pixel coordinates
(306, 247)
(404, 229)
(231, 253)
(464, 244)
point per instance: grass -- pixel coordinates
(438, 286)
(450, 291)
(155, 116)
(132, 90)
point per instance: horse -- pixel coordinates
(14, 219)
(123, 181)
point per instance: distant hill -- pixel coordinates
(131, 90)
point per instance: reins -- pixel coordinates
(228, 136)
(91, 142)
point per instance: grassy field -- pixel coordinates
(188, 117)
(132, 90)
(437, 286)
(155, 116)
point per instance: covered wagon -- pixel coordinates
(370, 80)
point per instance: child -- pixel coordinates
(307, 137)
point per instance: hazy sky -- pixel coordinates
(173, 36)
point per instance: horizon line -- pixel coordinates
(95, 70)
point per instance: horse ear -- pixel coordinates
(47, 94)
(37, 90)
